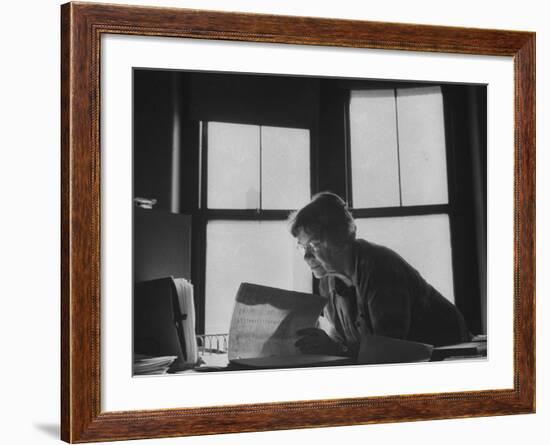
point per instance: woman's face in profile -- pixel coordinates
(319, 255)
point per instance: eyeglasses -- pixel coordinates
(310, 247)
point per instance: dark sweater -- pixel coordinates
(389, 297)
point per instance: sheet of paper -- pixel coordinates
(152, 365)
(265, 321)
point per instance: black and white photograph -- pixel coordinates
(277, 222)
(295, 221)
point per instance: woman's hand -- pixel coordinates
(317, 341)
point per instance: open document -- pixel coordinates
(264, 325)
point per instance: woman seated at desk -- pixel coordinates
(370, 289)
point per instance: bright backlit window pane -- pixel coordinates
(285, 167)
(233, 166)
(261, 252)
(373, 137)
(423, 241)
(422, 146)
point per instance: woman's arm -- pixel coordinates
(389, 309)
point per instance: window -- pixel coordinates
(246, 234)
(399, 177)
(403, 155)
(409, 158)
(248, 251)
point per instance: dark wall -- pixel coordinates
(260, 100)
(162, 245)
(465, 114)
(154, 104)
(161, 137)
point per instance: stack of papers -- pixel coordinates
(147, 365)
(184, 295)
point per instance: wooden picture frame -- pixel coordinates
(82, 25)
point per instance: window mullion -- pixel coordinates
(398, 148)
(377, 212)
(260, 206)
(203, 166)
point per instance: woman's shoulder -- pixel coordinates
(370, 252)
(381, 263)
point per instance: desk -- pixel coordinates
(219, 362)
(474, 349)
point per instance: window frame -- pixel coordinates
(459, 258)
(330, 170)
(203, 215)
